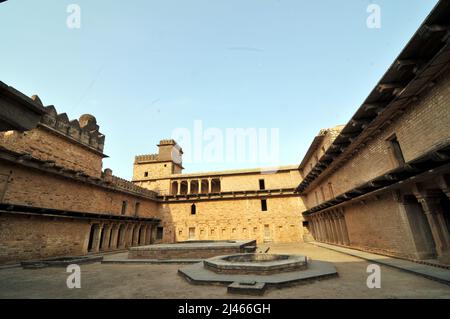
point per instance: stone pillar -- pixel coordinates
(179, 187)
(122, 236)
(188, 186)
(323, 230)
(106, 236)
(199, 186)
(319, 231)
(312, 227)
(318, 227)
(209, 186)
(343, 228)
(330, 228)
(97, 238)
(434, 212)
(339, 236)
(135, 235)
(148, 235)
(114, 234)
(143, 235)
(326, 229)
(129, 235)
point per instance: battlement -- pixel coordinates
(146, 158)
(84, 130)
(167, 142)
(126, 185)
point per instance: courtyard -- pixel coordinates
(162, 281)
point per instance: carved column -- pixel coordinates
(343, 227)
(326, 228)
(135, 239)
(434, 212)
(129, 235)
(319, 228)
(143, 235)
(188, 186)
(97, 238)
(148, 238)
(313, 227)
(122, 236)
(330, 227)
(179, 187)
(337, 228)
(326, 233)
(106, 236)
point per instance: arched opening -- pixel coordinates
(445, 202)
(205, 185)
(139, 236)
(194, 187)
(215, 185)
(183, 187)
(174, 188)
(133, 241)
(92, 237)
(111, 232)
(120, 236)
(193, 209)
(101, 238)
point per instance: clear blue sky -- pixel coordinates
(144, 68)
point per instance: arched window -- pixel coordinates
(193, 209)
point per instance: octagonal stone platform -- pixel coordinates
(246, 282)
(262, 264)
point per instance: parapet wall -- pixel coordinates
(145, 158)
(76, 145)
(84, 130)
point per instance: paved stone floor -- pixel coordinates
(161, 281)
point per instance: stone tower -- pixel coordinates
(168, 161)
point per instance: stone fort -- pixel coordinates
(379, 183)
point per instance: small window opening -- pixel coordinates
(262, 184)
(264, 205)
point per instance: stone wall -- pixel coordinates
(423, 126)
(45, 145)
(377, 224)
(237, 219)
(31, 187)
(25, 237)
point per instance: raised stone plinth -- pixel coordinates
(200, 249)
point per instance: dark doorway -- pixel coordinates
(91, 237)
(159, 233)
(420, 228)
(445, 202)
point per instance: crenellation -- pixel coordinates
(84, 130)
(145, 158)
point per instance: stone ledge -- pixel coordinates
(430, 272)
